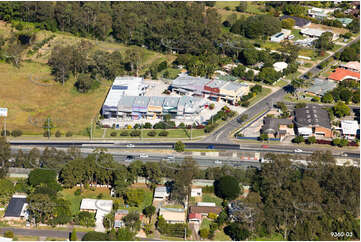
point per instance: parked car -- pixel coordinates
(298, 150)
(130, 146)
(143, 156)
(129, 158)
(291, 36)
(218, 162)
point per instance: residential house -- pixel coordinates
(341, 74)
(239, 212)
(278, 37)
(277, 128)
(319, 13)
(161, 193)
(202, 182)
(118, 218)
(352, 66)
(299, 22)
(350, 129)
(100, 207)
(316, 33)
(195, 218)
(205, 210)
(17, 208)
(313, 120)
(196, 192)
(320, 87)
(173, 215)
(280, 66)
(345, 21)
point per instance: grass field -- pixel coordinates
(68, 109)
(68, 194)
(208, 197)
(221, 236)
(273, 237)
(25, 238)
(281, 83)
(265, 91)
(205, 223)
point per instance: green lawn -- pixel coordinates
(265, 91)
(281, 83)
(208, 197)
(68, 194)
(223, 4)
(336, 47)
(205, 223)
(221, 236)
(307, 52)
(255, 8)
(173, 73)
(296, 33)
(273, 237)
(148, 199)
(293, 75)
(270, 45)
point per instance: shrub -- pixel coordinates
(152, 133)
(137, 126)
(147, 125)
(181, 126)
(135, 133)
(85, 219)
(163, 133)
(77, 192)
(69, 134)
(124, 133)
(299, 139)
(58, 134)
(7, 133)
(204, 233)
(9, 234)
(211, 106)
(46, 134)
(208, 189)
(179, 146)
(212, 216)
(113, 134)
(245, 103)
(16, 133)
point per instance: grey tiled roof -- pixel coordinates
(320, 86)
(15, 206)
(312, 115)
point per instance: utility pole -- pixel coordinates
(48, 128)
(5, 127)
(91, 129)
(191, 130)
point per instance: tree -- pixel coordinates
(132, 221)
(85, 219)
(341, 109)
(311, 139)
(288, 23)
(124, 234)
(263, 137)
(84, 83)
(179, 146)
(242, 7)
(94, 236)
(149, 211)
(60, 63)
(5, 152)
(204, 233)
(268, 75)
(327, 98)
(41, 176)
(324, 42)
(6, 190)
(237, 232)
(351, 53)
(298, 139)
(249, 57)
(73, 236)
(227, 187)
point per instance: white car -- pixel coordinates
(218, 162)
(291, 36)
(130, 146)
(143, 156)
(344, 154)
(298, 150)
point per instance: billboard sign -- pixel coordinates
(3, 112)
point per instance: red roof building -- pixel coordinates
(341, 74)
(195, 217)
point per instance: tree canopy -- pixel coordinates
(227, 187)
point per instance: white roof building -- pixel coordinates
(316, 33)
(206, 204)
(173, 215)
(161, 193)
(304, 131)
(280, 66)
(349, 127)
(100, 207)
(196, 192)
(352, 65)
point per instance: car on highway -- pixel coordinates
(210, 147)
(171, 157)
(143, 156)
(129, 158)
(298, 150)
(344, 154)
(265, 146)
(130, 146)
(218, 162)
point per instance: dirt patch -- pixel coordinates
(325, 27)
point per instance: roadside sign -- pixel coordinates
(3, 112)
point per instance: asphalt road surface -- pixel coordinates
(42, 232)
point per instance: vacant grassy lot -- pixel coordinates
(265, 91)
(68, 194)
(31, 96)
(221, 236)
(208, 197)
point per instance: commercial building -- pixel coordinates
(350, 129)
(341, 74)
(17, 208)
(277, 128)
(122, 86)
(173, 215)
(313, 120)
(299, 22)
(214, 89)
